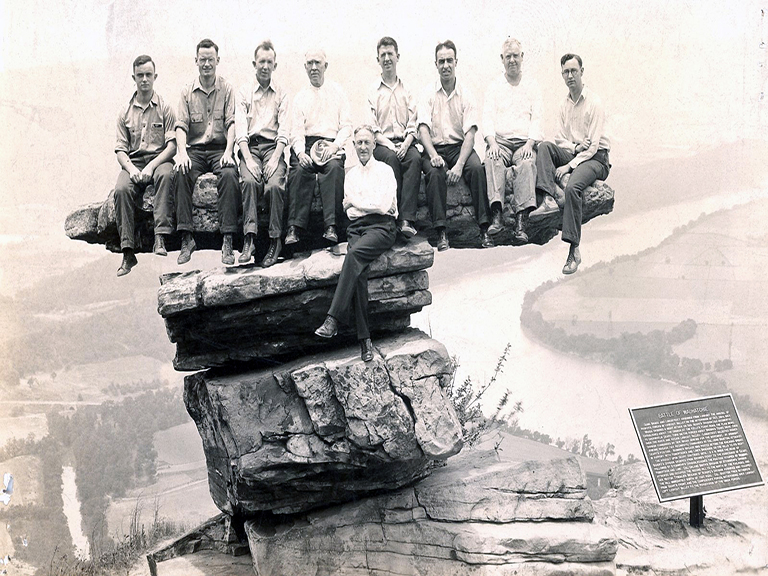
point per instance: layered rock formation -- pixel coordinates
(326, 428)
(475, 516)
(95, 223)
(254, 314)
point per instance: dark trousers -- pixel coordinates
(437, 186)
(301, 186)
(408, 175)
(369, 237)
(126, 197)
(272, 191)
(548, 158)
(206, 159)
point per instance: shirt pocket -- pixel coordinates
(157, 133)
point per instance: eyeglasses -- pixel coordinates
(206, 60)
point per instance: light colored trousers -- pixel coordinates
(523, 178)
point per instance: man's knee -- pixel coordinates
(123, 191)
(546, 148)
(525, 166)
(227, 176)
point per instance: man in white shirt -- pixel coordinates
(580, 149)
(447, 118)
(261, 130)
(511, 125)
(393, 119)
(319, 112)
(370, 199)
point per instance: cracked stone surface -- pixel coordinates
(448, 523)
(324, 429)
(95, 223)
(247, 313)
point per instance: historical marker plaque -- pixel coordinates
(695, 447)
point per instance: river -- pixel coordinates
(72, 512)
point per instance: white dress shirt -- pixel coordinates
(584, 118)
(322, 112)
(392, 110)
(370, 189)
(513, 111)
(448, 116)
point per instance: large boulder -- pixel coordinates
(476, 516)
(249, 313)
(325, 429)
(95, 223)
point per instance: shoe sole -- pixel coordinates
(324, 335)
(493, 231)
(408, 233)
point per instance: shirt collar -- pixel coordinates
(257, 86)
(197, 86)
(456, 89)
(153, 101)
(397, 83)
(583, 96)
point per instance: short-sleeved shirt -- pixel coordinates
(262, 112)
(392, 110)
(448, 116)
(145, 130)
(206, 115)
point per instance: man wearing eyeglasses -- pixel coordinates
(205, 140)
(580, 149)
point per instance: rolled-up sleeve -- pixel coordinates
(410, 127)
(229, 106)
(123, 140)
(283, 117)
(182, 112)
(424, 111)
(370, 116)
(241, 115)
(470, 114)
(489, 112)
(169, 122)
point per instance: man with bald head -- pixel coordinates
(511, 126)
(320, 118)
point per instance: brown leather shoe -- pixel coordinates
(275, 247)
(330, 234)
(249, 247)
(366, 350)
(227, 256)
(293, 236)
(159, 247)
(187, 247)
(442, 240)
(497, 225)
(329, 329)
(129, 261)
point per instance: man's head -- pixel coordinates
(264, 62)
(512, 57)
(364, 141)
(572, 69)
(207, 58)
(144, 74)
(446, 60)
(315, 64)
(387, 54)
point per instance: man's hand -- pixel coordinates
(181, 161)
(134, 174)
(562, 171)
(227, 160)
(328, 152)
(253, 168)
(146, 173)
(494, 152)
(583, 145)
(400, 150)
(305, 161)
(271, 166)
(437, 161)
(453, 175)
(526, 152)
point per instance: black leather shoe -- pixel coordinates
(407, 229)
(227, 256)
(329, 329)
(129, 261)
(292, 237)
(330, 235)
(249, 247)
(159, 247)
(520, 222)
(275, 246)
(366, 350)
(485, 240)
(187, 247)
(442, 240)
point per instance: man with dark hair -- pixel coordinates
(370, 199)
(393, 119)
(205, 139)
(580, 149)
(447, 119)
(261, 128)
(144, 149)
(320, 127)
(511, 126)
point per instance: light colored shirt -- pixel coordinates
(261, 112)
(206, 115)
(448, 117)
(392, 110)
(582, 119)
(322, 112)
(513, 111)
(370, 189)
(145, 129)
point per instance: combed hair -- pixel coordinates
(447, 44)
(570, 56)
(363, 127)
(318, 50)
(387, 41)
(143, 59)
(511, 42)
(207, 43)
(265, 45)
